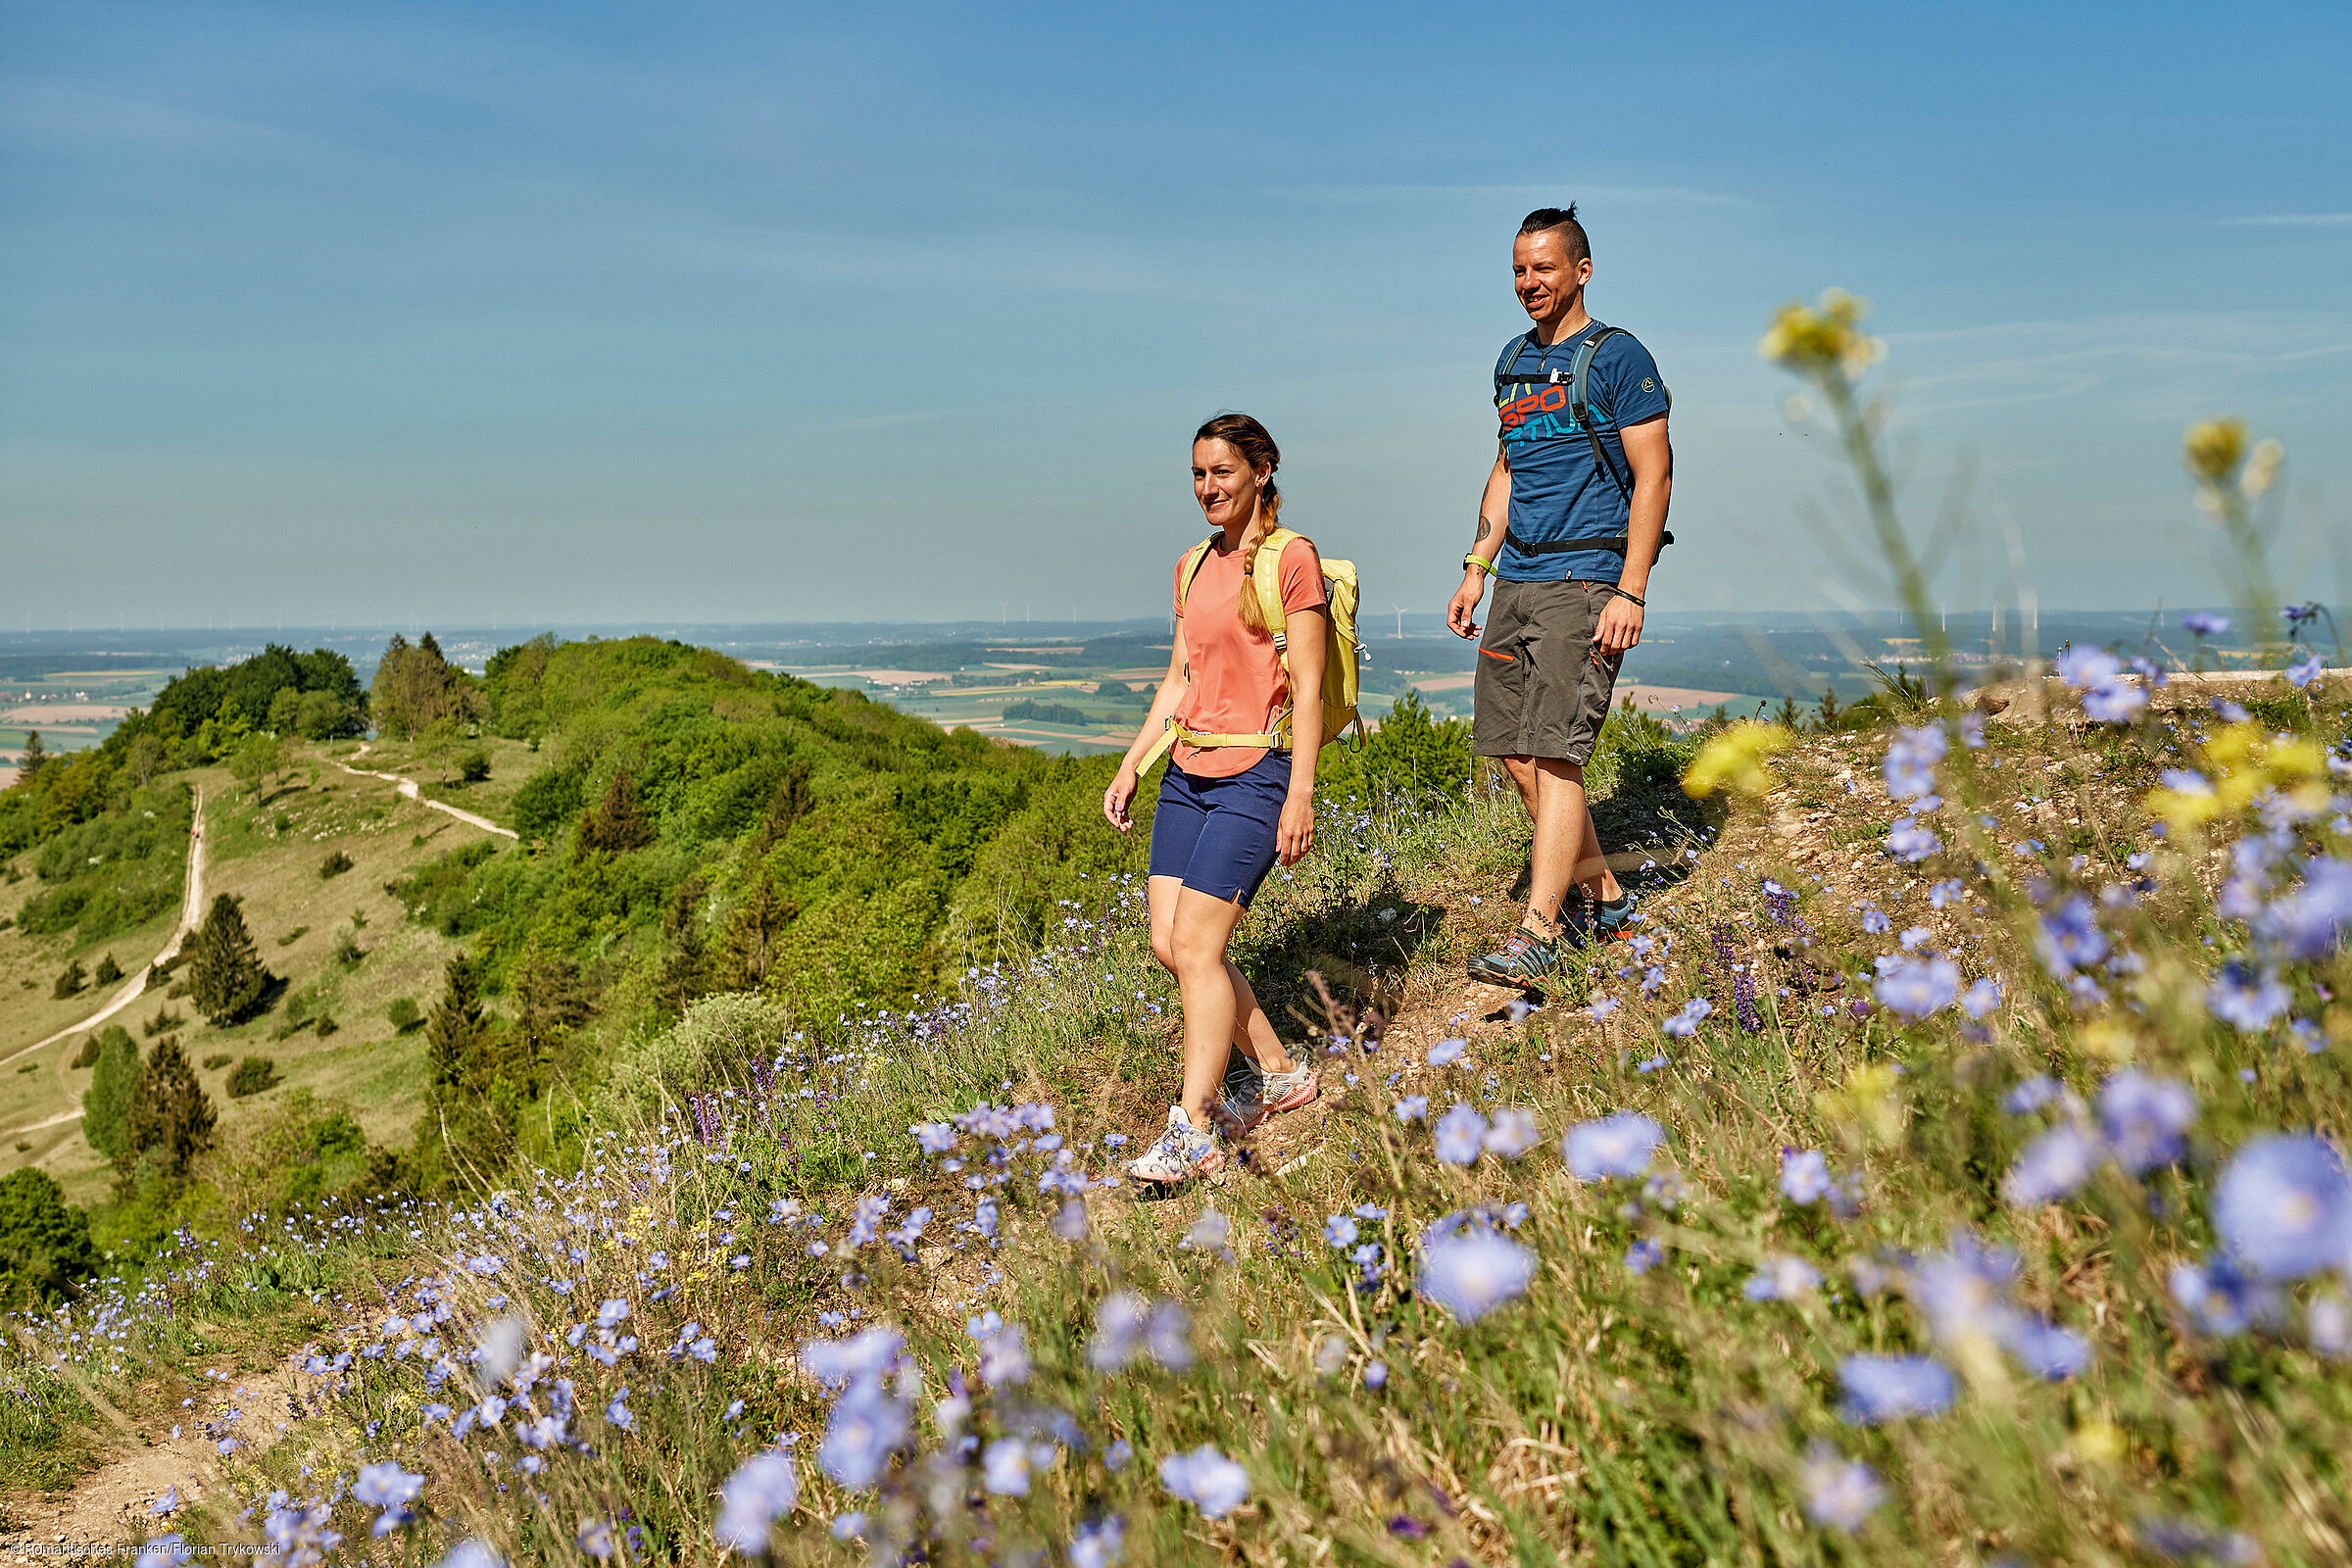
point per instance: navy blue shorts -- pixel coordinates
(1218, 833)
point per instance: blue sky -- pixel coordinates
(703, 311)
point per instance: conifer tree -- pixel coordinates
(549, 1004)
(619, 823)
(751, 932)
(170, 1115)
(226, 977)
(686, 967)
(108, 972)
(71, 980)
(453, 1035)
(29, 761)
(787, 806)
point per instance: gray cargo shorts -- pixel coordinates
(1544, 690)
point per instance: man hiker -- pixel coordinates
(1572, 520)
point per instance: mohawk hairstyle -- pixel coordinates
(1572, 233)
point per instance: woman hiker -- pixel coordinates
(1239, 791)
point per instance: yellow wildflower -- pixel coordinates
(1868, 1110)
(2241, 761)
(2099, 1441)
(1815, 338)
(2262, 469)
(1735, 759)
(2214, 448)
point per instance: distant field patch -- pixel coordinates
(876, 677)
(40, 713)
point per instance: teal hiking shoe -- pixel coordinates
(1525, 961)
(1611, 922)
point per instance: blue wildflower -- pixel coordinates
(1644, 1256)
(1206, 1478)
(1981, 997)
(386, 1485)
(1840, 1494)
(1684, 1023)
(1472, 1272)
(2070, 938)
(2307, 922)
(1804, 1175)
(2143, 1119)
(2052, 1166)
(1911, 759)
(1614, 1146)
(1781, 1279)
(866, 1426)
(2284, 1207)
(761, 1490)
(1099, 1542)
(2248, 1002)
(1513, 1133)
(1888, 1387)
(1460, 1133)
(1909, 840)
(1918, 988)
(2223, 1300)
(1004, 1468)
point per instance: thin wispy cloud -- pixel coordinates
(1676, 196)
(2290, 220)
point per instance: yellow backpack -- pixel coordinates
(1343, 654)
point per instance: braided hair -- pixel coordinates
(1257, 449)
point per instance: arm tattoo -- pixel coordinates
(1484, 529)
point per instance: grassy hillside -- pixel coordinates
(1877, 1264)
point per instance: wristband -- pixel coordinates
(1471, 559)
(1635, 598)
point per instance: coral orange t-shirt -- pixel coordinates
(1237, 685)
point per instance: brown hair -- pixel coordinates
(1543, 220)
(1257, 449)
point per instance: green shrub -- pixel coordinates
(475, 766)
(548, 802)
(45, 1243)
(712, 1046)
(334, 865)
(71, 982)
(106, 1105)
(253, 1075)
(405, 1014)
(108, 972)
(217, 1059)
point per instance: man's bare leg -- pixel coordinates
(1567, 846)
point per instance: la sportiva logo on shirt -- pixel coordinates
(1543, 400)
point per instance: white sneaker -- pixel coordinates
(1179, 1154)
(1261, 1094)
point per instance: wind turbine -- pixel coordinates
(1400, 608)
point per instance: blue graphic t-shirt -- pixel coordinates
(1557, 492)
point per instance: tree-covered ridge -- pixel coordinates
(701, 827)
(200, 716)
(674, 770)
